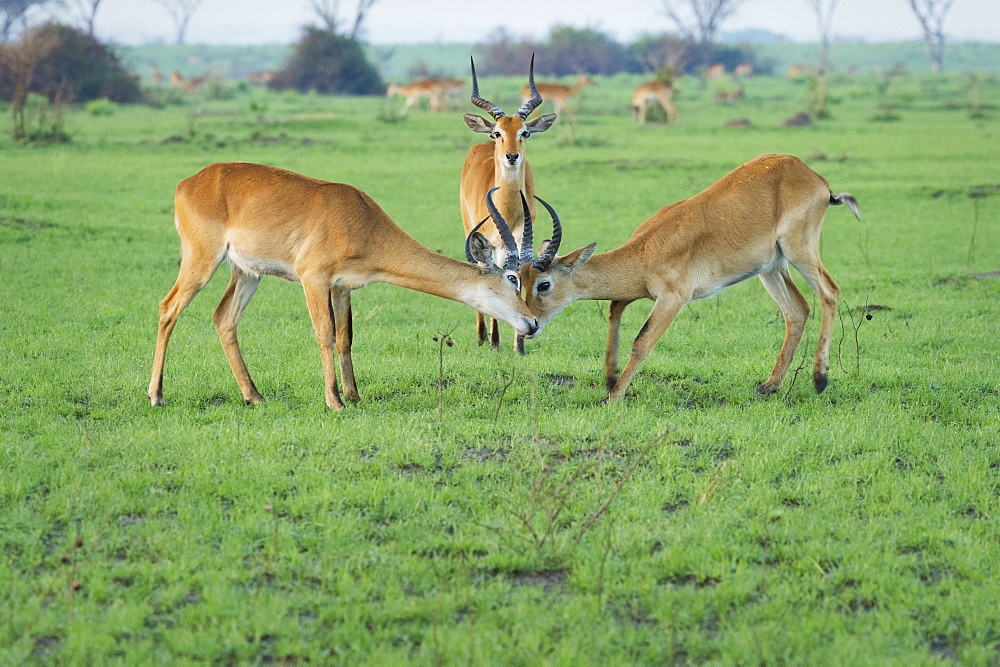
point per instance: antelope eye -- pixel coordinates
(544, 286)
(513, 280)
(495, 135)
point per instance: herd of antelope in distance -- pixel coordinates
(441, 92)
(332, 238)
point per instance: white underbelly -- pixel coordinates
(260, 266)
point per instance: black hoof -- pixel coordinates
(819, 381)
(765, 389)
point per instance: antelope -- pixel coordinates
(743, 69)
(330, 237)
(715, 71)
(176, 79)
(726, 96)
(559, 93)
(261, 77)
(758, 219)
(428, 88)
(500, 163)
(795, 71)
(195, 83)
(448, 89)
(650, 92)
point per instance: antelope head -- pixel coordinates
(547, 279)
(478, 249)
(509, 132)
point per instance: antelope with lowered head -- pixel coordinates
(330, 237)
(755, 221)
(560, 93)
(654, 92)
(500, 163)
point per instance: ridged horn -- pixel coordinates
(510, 245)
(536, 98)
(552, 246)
(485, 105)
(527, 242)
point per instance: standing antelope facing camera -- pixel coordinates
(500, 163)
(560, 93)
(654, 91)
(755, 221)
(330, 237)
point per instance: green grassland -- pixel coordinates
(481, 507)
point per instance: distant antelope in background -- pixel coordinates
(558, 93)
(755, 221)
(413, 92)
(715, 71)
(654, 92)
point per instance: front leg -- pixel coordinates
(611, 353)
(664, 311)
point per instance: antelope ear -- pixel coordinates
(577, 257)
(478, 123)
(482, 252)
(541, 123)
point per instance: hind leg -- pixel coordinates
(494, 333)
(828, 292)
(318, 299)
(196, 270)
(795, 309)
(343, 320)
(241, 289)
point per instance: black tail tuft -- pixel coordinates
(844, 198)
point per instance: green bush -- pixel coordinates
(101, 107)
(328, 63)
(69, 65)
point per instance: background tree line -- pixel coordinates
(569, 50)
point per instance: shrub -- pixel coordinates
(328, 63)
(101, 107)
(71, 65)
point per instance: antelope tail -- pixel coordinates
(844, 198)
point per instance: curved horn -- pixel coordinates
(552, 247)
(468, 240)
(486, 105)
(536, 98)
(527, 243)
(510, 245)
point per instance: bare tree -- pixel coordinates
(328, 12)
(700, 20)
(85, 11)
(824, 20)
(14, 13)
(180, 12)
(931, 15)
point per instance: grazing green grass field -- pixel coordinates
(481, 507)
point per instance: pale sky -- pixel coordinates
(422, 21)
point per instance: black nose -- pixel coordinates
(512, 157)
(532, 330)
